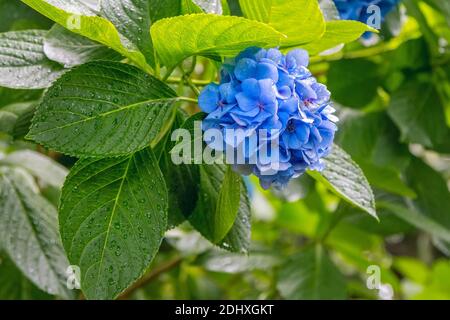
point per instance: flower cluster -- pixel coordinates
(266, 90)
(358, 9)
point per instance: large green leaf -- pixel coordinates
(29, 232)
(71, 49)
(238, 239)
(113, 211)
(23, 64)
(82, 21)
(419, 114)
(132, 20)
(375, 148)
(182, 180)
(103, 108)
(208, 35)
(359, 85)
(218, 202)
(417, 219)
(433, 195)
(300, 20)
(337, 33)
(343, 176)
(311, 275)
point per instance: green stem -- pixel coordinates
(201, 83)
(187, 99)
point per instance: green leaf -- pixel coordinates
(15, 116)
(238, 239)
(376, 141)
(14, 286)
(132, 20)
(178, 38)
(218, 202)
(359, 85)
(113, 211)
(45, 169)
(12, 96)
(433, 198)
(300, 20)
(70, 49)
(386, 179)
(417, 219)
(101, 109)
(82, 21)
(24, 64)
(311, 275)
(182, 180)
(343, 176)
(15, 16)
(29, 232)
(418, 112)
(337, 33)
(160, 9)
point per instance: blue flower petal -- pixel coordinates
(209, 98)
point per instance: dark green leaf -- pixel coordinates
(113, 211)
(132, 20)
(311, 275)
(182, 180)
(433, 195)
(218, 202)
(103, 108)
(82, 20)
(15, 119)
(418, 112)
(15, 16)
(354, 82)
(343, 176)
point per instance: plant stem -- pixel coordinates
(201, 83)
(150, 277)
(187, 99)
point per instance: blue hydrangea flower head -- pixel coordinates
(266, 90)
(358, 9)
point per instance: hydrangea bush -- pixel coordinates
(264, 89)
(106, 86)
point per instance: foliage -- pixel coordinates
(92, 93)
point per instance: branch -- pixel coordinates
(150, 277)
